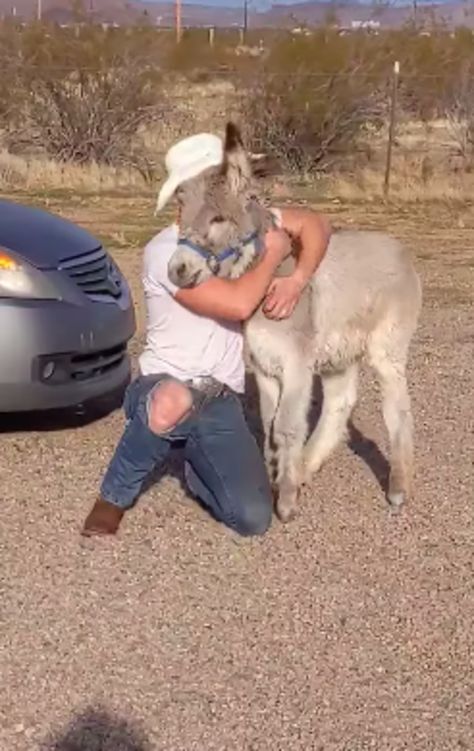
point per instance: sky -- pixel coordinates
(266, 4)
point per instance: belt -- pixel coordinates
(208, 386)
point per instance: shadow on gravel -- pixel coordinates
(60, 419)
(370, 453)
(98, 730)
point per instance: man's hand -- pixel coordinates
(282, 297)
(312, 232)
(283, 293)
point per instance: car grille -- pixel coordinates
(63, 368)
(94, 273)
(83, 367)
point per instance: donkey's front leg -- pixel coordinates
(269, 396)
(289, 431)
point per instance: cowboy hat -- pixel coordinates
(187, 159)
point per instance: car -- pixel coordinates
(66, 314)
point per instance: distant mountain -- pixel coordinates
(389, 14)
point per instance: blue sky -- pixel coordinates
(265, 4)
(239, 3)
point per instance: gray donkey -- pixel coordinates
(362, 303)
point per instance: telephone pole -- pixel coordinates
(178, 20)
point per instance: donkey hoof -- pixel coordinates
(396, 499)
(285, 515)
(286, 511)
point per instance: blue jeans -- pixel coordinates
(223, 465)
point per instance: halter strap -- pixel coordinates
(214, 260)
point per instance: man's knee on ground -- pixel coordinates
(169, 403)
(253, 518)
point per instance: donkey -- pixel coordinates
(362, 303)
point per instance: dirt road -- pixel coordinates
(348, 629)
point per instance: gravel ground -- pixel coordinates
(348, 629)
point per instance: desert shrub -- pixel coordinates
(311, 102)
(81, 99)
(85, 116)
(309, 124)
(86, 94)
(429, 65)
(459, 111)
(198, 61)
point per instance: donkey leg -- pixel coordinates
(399, 422)
(290, 429)
(269, 396)
(339, 398)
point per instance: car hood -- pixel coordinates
(41, 238)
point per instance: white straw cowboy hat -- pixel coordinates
(187, 159)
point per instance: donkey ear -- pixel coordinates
(233, 138)
(237, 167)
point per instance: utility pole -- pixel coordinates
(39, 10)
(178, 20)
(246, 17)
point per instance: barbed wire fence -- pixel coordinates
(87, 113)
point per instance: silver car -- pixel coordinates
(66, 314)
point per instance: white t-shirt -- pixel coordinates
(178, 342)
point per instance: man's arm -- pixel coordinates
(312, 232)
(236, 299)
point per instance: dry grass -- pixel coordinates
(37, 173)
(426, 166)
(366, 184)
(406, 184)
(195, 107)
(422, 168)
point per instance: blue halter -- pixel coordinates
(214, 260)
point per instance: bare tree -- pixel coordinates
(309, 122)
(85, 116)
(459, 112)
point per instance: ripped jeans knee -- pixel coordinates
(168, 404)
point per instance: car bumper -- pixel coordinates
(61, 355)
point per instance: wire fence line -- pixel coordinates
(73, 119)
(226, 73)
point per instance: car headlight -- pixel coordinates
(20, 279)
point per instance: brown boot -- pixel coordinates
(103, 519)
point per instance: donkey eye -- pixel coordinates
(219, 218)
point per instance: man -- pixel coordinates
(192, 367)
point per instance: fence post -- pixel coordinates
(212, 33)
(391, 127)
(178, 21)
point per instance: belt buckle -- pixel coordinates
(212, 387)
(208, 385)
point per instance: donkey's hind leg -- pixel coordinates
(290, 430)
(269, 396)
(339, 398)
(399, 422)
